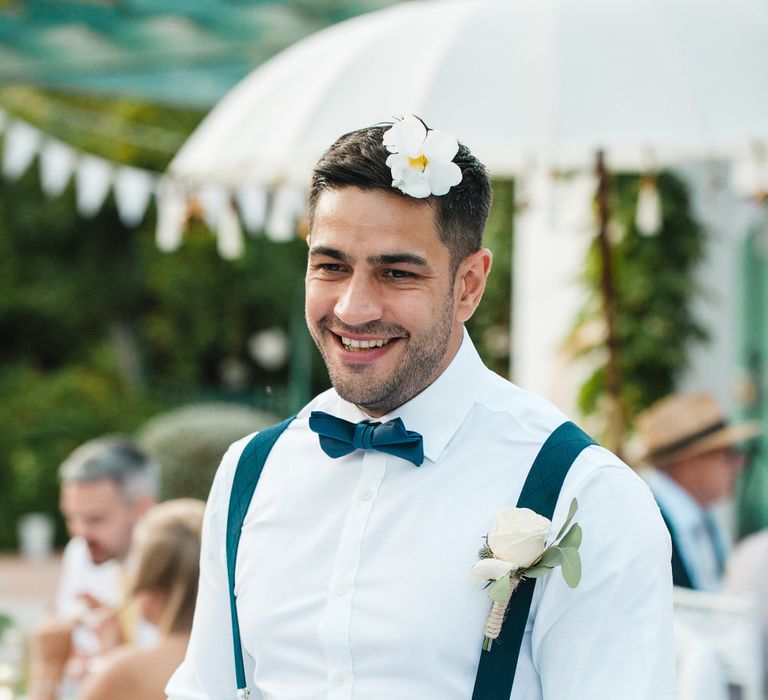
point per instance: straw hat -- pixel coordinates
(686, 425)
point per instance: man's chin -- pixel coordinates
(364, 394)
(99, 556)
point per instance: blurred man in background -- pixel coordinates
(692, 449)
(107, 485)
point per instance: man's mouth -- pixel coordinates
(355, 345)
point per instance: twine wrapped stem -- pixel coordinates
(497, 614)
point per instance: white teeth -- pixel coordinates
(352, 344)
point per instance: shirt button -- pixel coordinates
(365, 495)
(340, 589)
(338, 679)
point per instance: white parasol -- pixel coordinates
(650, 82)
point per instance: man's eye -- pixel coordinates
(330, 267)
(398, 274)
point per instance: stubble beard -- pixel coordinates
(420, 365)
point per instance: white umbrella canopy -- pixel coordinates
(522, 82)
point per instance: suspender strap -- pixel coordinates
(496, 671)
(246, 477)
(680, 575)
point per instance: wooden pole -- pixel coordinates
(615, 411)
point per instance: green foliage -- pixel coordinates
(655, 283)
(571, 566)
(489, 327)
(188, 443)
(43, 417)
(101, 330)
(498, 591)
(215, 305)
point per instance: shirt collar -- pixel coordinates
(440, 409)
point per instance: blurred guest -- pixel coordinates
(692, 449)
(745, 575)
(107, 485)
(166, 550)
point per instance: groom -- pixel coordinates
(353, 573)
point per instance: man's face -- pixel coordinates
(717, 473)
(710, 476)
(381, 303)
(96, 511)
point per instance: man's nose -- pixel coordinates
(359, 302)
(75, 527)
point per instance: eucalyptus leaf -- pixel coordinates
(551, 557)
(571, 512)
(572, 538)
(499, 590)
(538, 571)
(571, 566)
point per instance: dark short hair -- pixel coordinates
(358, 159)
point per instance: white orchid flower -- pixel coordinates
(422, 159)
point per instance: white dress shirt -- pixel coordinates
(353, 575)
(80, 575)
(687, 521)
(107, 583)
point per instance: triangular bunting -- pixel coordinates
(93, 179)
(171, 215)
(22, 142)
(57, 163)
(133, 190)
(287, 209)
(252, 202)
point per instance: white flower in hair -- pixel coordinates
(422, 159)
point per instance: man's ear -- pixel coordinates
(471, 277)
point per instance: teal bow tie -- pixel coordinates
(339, 437)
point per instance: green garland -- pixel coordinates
(654, 287)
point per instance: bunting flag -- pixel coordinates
(94, 179)
(22, 142)
(171, 215)
(57, 163)
(287, 209)
(134, 189)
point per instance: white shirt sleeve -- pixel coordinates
(611, 636)
(208, 670)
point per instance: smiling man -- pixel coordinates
(347, 534)
(382, 305)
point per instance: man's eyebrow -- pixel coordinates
(397, 258)
(328, 252)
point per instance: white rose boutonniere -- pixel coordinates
(516, 549)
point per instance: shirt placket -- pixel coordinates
(341, 590)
